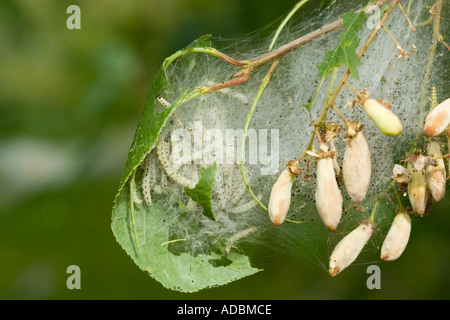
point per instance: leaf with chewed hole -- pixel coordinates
(146, 237)
(182, 272)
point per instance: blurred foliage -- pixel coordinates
(69, 104)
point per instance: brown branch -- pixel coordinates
(228, 83)
(247, 66)
(230, 60)
(280, 52)
(407, 18)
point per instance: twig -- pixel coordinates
(406, 16)
(441, 39)
(285, 20)
(400, 204)
(347, 123)
(264, 83)
(247, 66)
(353, 90)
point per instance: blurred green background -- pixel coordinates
(70, 101)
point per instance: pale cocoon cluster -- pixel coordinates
(328, 196)
(397, 238)
(348, 249)
(356, 167)
(435, 174)
(383, 117)
(280, 197)
(417, 190)
(437, 119)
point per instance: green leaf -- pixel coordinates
(308, 106)
(148, 231)
(183, 272)
(201, 42)
(345, 52)
(189, 61)
(151, 122)
(201, 193)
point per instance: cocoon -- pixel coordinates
(356, 167)
(348, 249)
(397, 237)
(328, 196)
(417, 190)
(437, 119)
(435, 174)
(280, 197)
(383, 117)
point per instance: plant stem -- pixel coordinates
(441, 39)
(408, 9)
(294, 221)
(374, 210)
(280, 52)
(247, 66)
(317, 134)
(285, 20)
(211, 51)
(330, 87)
(400, 49)
(400, 204)
(353, 89)
(406, 16)
(341, 116)
(263, 85)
